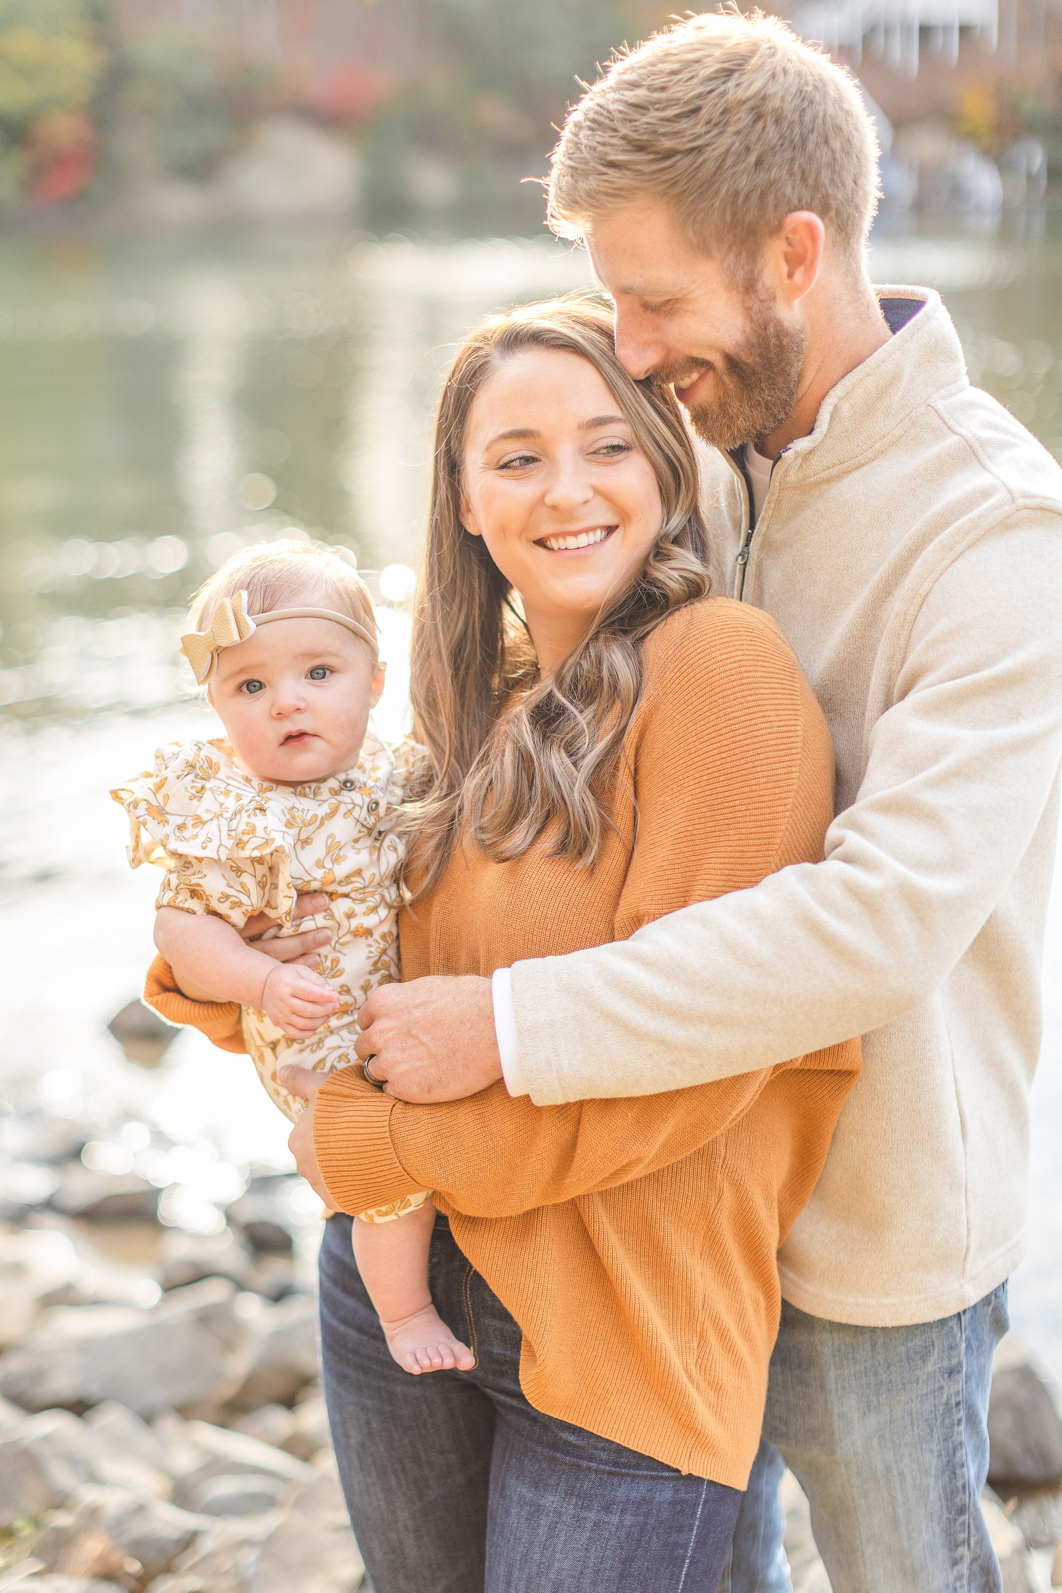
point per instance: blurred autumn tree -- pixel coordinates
(51, 67)
(451, 101)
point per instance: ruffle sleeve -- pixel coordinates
(211, 834)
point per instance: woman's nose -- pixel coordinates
(569, 485)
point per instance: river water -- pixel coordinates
(165, 401)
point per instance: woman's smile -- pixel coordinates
(577, 541)
(555, 483)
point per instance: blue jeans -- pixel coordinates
(886, 1431)
(455, 1484)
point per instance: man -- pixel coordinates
(906, 533)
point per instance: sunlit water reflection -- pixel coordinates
(166, 402)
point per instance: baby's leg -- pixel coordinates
(392, 1258)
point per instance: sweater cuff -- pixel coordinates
(218, 1020)
(352, 1142)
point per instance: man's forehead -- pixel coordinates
(631, 264)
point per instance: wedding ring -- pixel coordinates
(368, 1073)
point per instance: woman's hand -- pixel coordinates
(307, 1084)
(297, 999)
(301, 948)
(431, 1039)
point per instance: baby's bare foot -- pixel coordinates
(423, 1343)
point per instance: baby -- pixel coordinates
(295, 798)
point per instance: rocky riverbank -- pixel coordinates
(161, 1423)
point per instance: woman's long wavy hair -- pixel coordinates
(513, 754)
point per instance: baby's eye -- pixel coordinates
(320, 672)
(253, 687)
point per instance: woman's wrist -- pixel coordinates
(353, 1146)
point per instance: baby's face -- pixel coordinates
(295, 699)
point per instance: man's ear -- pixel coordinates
(793, 257)
(379, 675)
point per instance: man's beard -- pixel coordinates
(756, 390)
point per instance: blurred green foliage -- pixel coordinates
(491, 86)
(181, 95)
(51, 65)
(49, 57)
(460, 105)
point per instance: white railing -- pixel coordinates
(894, 28)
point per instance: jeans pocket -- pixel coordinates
(471, 1335)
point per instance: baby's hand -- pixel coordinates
(297, 999)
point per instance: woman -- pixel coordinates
(607, 743)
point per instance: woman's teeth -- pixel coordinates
(585, 539)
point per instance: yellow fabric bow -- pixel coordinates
(231, 624)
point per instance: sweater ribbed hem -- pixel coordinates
(352, 1140)
(218, 1020)
(902, 1309)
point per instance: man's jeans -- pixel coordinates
(886, 1432)
(455, 1484)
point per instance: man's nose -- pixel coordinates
(638, 350)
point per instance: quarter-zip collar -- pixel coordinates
(922, 360)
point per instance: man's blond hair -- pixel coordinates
(734, 123)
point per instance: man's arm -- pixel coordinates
(959, 772)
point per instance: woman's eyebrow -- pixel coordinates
(514, 432)
(525, 432)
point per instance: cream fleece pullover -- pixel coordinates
(910, 548)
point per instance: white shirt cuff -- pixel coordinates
(501, 989)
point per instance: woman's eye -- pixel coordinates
(253, 687)
(319, 672)
(517, 462)
(614, 449)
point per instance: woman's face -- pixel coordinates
(555, 485)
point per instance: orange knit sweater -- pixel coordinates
(633, 1240)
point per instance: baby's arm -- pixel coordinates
(219, 966)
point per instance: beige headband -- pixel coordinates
(231, 623)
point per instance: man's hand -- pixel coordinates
(297, 999)
(291, 948)
(431, 1039)
(304, 1082)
